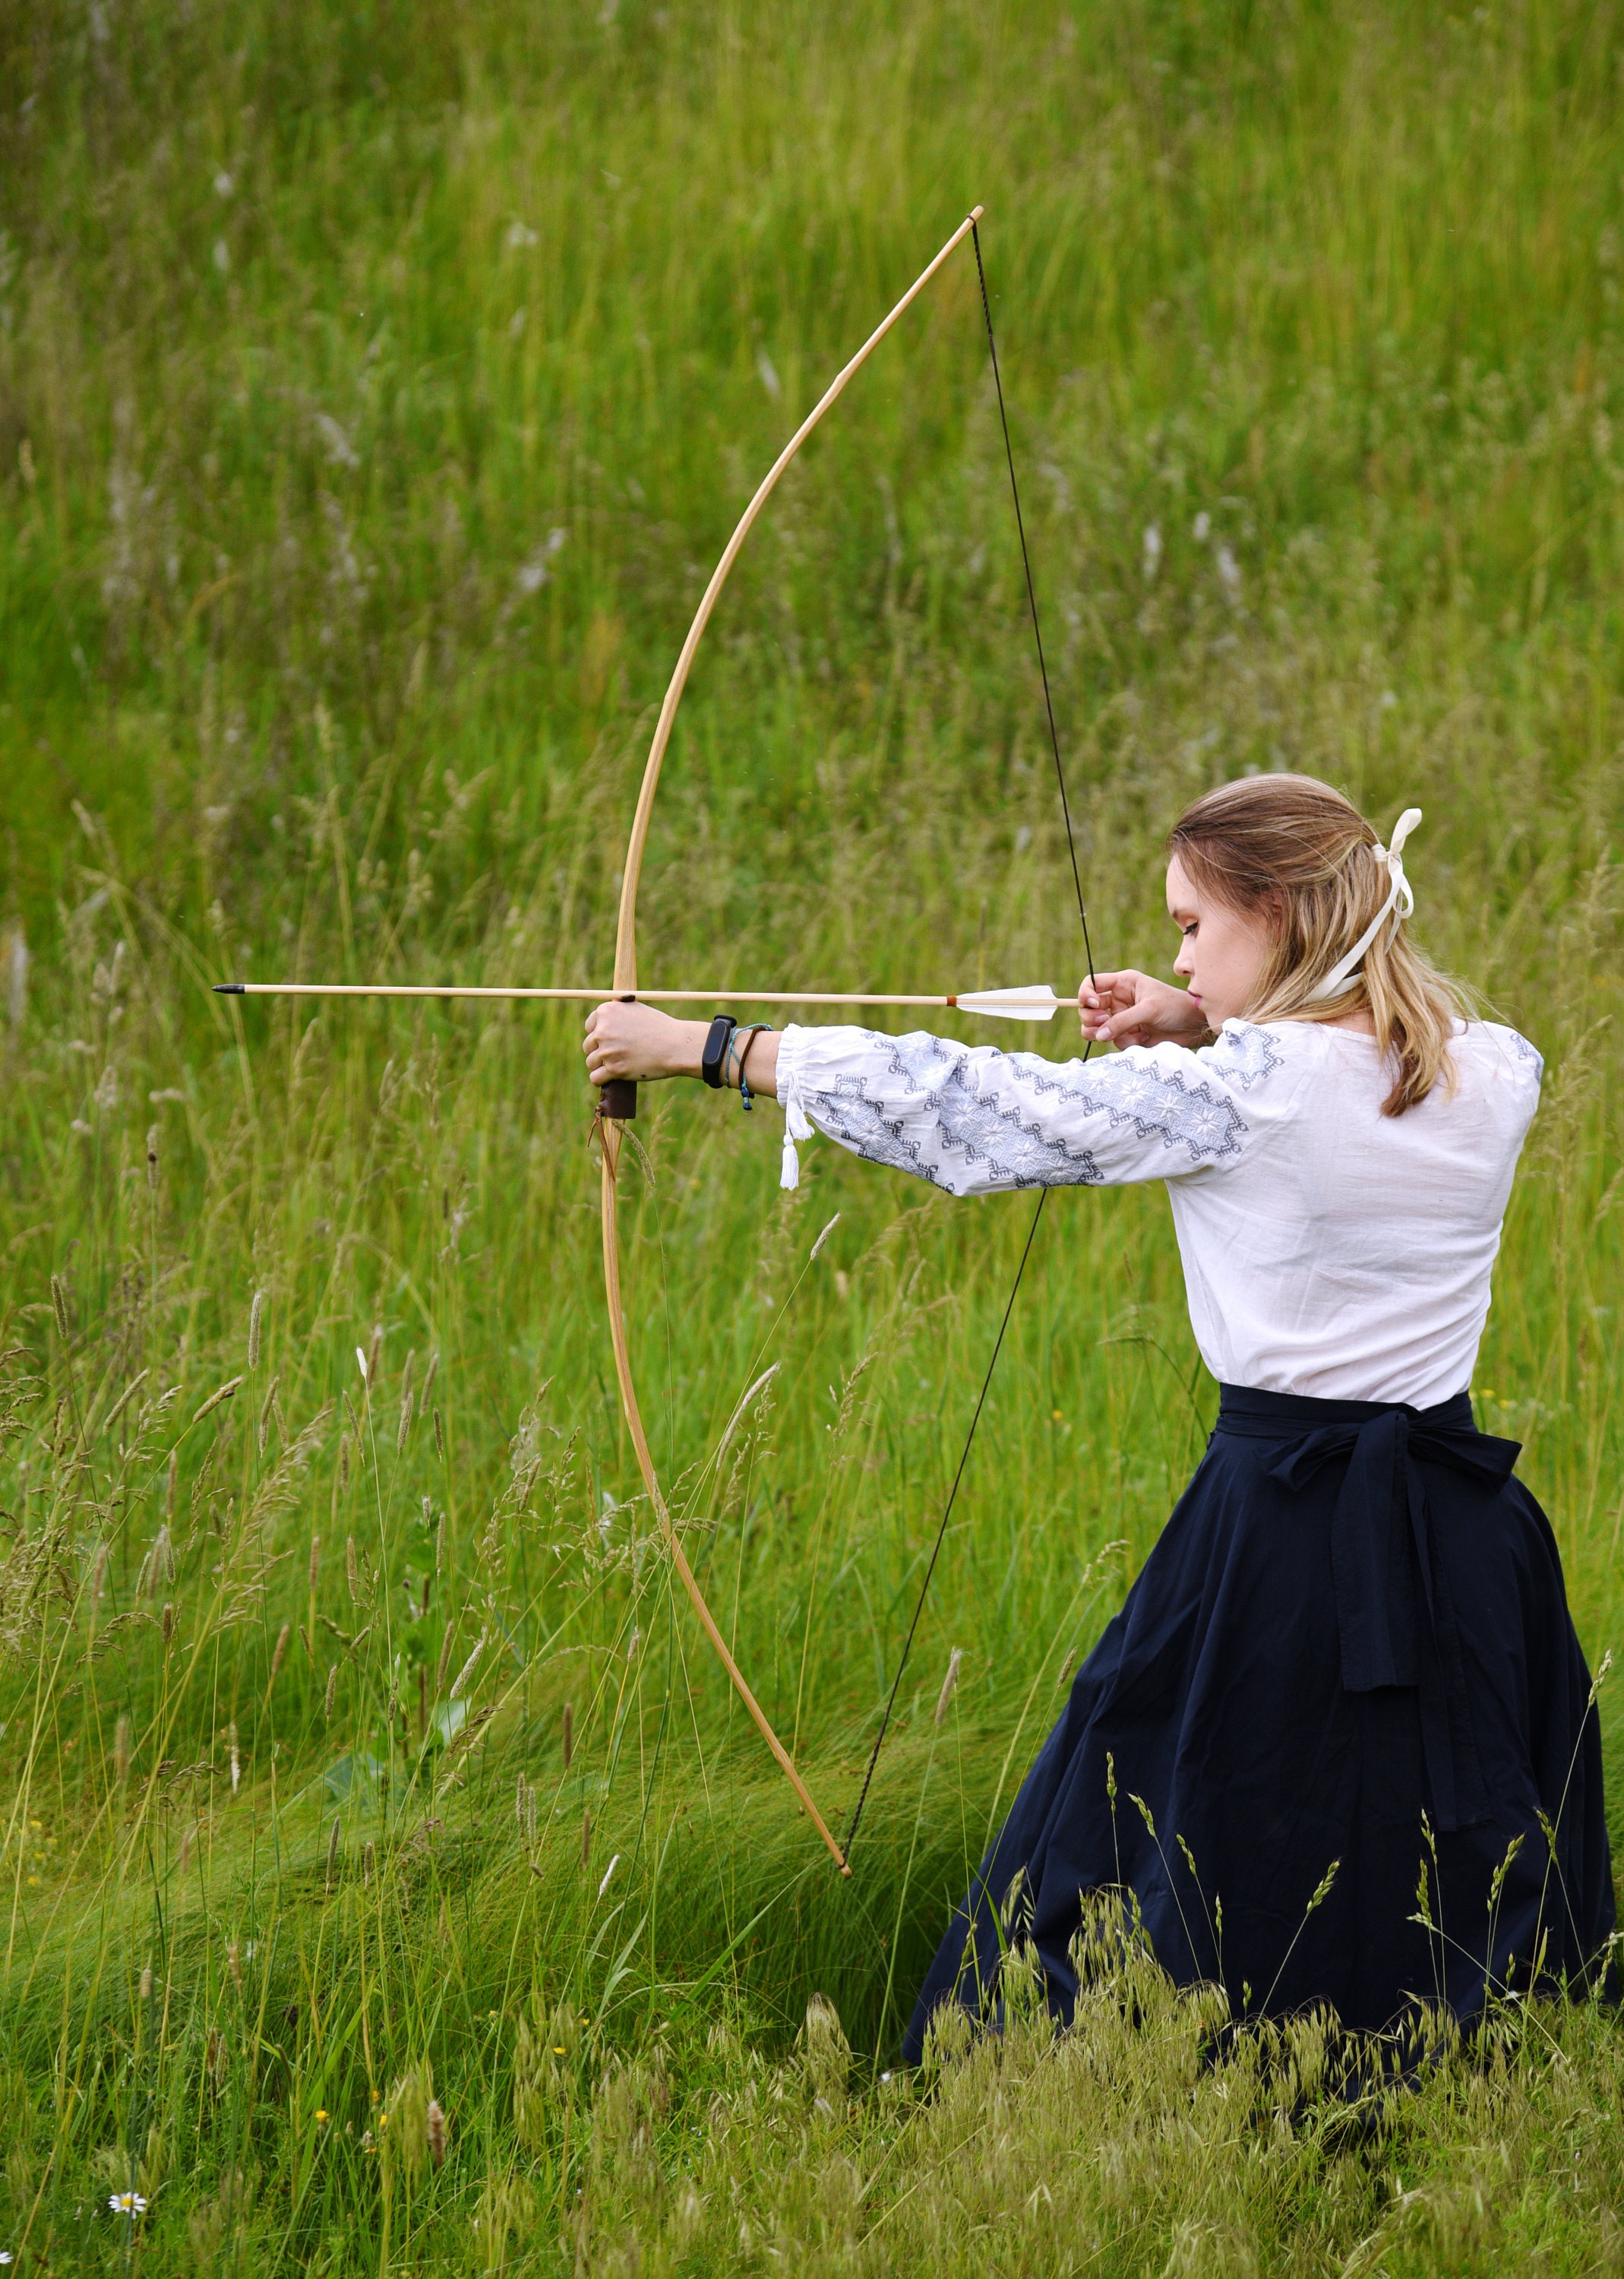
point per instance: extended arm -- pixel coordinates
(975, 1120)
(640, 1043)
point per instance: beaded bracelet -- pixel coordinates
(749, 1033)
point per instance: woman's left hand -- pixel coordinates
(639, 1043)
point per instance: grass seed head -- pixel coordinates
(268, 1408)
(256, 1316)
(221, 1392)
(467, 1670)
(949, 1686)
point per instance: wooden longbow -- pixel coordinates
(618, 1101)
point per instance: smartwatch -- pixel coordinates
(714, 1059)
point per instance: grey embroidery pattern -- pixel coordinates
(1012, 1152)
(1247, 1054)
(1526, 1052)
(957, 1108)
(1159, 1105)
(925, 1063)
(856, 1122)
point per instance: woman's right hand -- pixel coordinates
(1134, 1009)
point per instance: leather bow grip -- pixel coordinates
(618, 1099)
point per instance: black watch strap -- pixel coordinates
(714, 1059)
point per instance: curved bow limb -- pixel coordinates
(673, 1541)
(625, 935)
(620, 1100)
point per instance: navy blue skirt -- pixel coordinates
(1349, 1657)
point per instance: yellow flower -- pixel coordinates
(321, 2112)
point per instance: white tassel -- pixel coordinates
(795, 1127)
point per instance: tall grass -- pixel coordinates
(377, 388)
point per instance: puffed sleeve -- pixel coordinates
(973, 1120)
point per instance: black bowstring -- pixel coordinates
(1031, 598)
(1043, 1192)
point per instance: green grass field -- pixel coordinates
(378, 387)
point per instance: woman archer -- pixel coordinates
(1351, 1643)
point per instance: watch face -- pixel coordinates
(715, 1048)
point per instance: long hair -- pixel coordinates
(1297, 854)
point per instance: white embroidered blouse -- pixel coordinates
(1328, 1249)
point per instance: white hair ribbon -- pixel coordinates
(1399, 892)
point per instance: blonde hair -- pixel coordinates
(1297, 854)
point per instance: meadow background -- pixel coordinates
(378, 385)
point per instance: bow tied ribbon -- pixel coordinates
(1400, 895)
(1395, 1617)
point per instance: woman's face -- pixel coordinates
(1222, 951)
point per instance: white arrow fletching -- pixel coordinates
(1036, 1002)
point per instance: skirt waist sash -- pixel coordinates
(1395, 1617)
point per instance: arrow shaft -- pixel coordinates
(1041, 1001)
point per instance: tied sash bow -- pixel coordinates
(1395, 1618)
